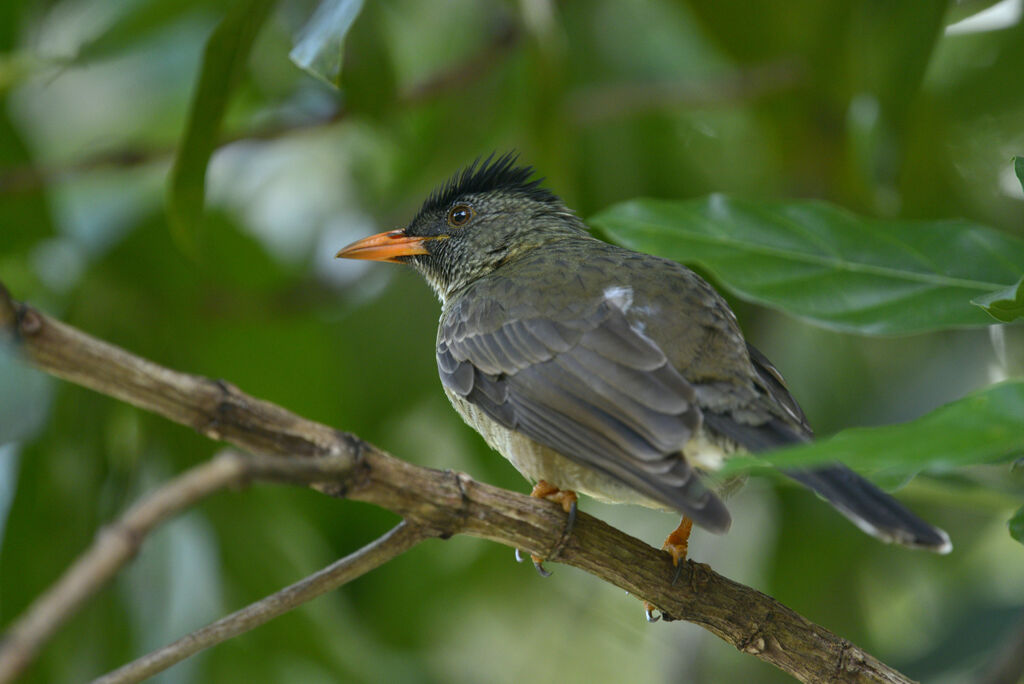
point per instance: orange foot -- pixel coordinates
(567, 499)
(546, 490)
(676, 545)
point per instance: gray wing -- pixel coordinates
(593, 389)
(772, 418)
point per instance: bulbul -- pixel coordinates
(601, 370)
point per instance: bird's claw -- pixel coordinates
(538, 563)
(567, 500)
(571, 520)
(678, 572)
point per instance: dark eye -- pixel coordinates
(459, 215)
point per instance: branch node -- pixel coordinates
(210, 427)
(350, 444)
(462, 512)
(355, 445)
(760, 639)
(230, 399)
(849, 659)
(700, 575)
(225, 387)
(28, 321)
(754, 645)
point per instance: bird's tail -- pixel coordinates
(871, 509)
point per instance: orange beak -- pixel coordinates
(384, 247)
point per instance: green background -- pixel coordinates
(108, 115)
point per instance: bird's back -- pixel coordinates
(662, 301)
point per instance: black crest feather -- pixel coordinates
(493, 174)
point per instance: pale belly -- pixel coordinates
(536, 462)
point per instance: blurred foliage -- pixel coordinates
(224, 61)
(897, 112)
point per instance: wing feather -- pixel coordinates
(594, 389)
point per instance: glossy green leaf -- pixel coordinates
(224, 62)
(827, 265)
(1016, 525)
(1018, 167)
(984, 427)
(1004, 305)
(318, 48)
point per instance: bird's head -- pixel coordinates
(484, 216)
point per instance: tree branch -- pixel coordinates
(450, 503)
(396, 542)
(118, 542)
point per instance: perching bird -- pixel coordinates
(601, 370)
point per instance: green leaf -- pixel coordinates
(1016, 525)
(827, 265)
(983, 427)
(224, 62)
(318, 48)
(1004, 305)
(368, 77)
(1018, 167)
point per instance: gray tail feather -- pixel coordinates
(871, 509)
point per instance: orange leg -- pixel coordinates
(564, 497)
(545, 490)
(676, 545)
(678, 542)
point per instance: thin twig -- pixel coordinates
(117, 543)
(604, 103)
(396, 542)
(451, 503)
(506, 35)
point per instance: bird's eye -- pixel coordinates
(459, 215)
